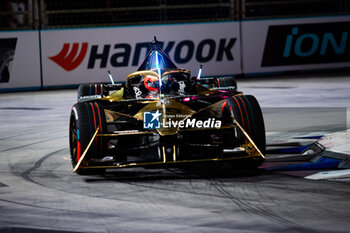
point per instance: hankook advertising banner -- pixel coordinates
(19, 60)
(75, 56)
(84, 55)
(295, 44)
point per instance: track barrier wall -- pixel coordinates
(83, 55)
(19, 60)
(68, 57)
(295, 44)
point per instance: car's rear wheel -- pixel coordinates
(219, 83)
(225, 82)
(247, 113)
(94, 89)
(84, 120)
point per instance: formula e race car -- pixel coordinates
(163, 117)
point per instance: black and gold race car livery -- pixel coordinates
(162, 116)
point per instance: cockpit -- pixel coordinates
(146, 84)
(158, 75)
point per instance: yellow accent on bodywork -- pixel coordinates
(115, 96)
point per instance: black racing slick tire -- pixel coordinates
(84, 120)
(92, 90)
(219, 83)
(225, 82)
(247, 112)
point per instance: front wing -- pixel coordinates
(246, 150)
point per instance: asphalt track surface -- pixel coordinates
(39, 192)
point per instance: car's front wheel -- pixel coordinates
(84, 120)
(247, 112)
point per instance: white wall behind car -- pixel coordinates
(122, 49)
(75, 56)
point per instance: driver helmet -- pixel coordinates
(151, 83)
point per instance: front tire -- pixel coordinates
(247, 113)
(84, 120)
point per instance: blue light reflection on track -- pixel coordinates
(322, 163)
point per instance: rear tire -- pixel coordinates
(219, 83)
(247, 112)
(84, 120)
(226, 82)
(92, 90)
